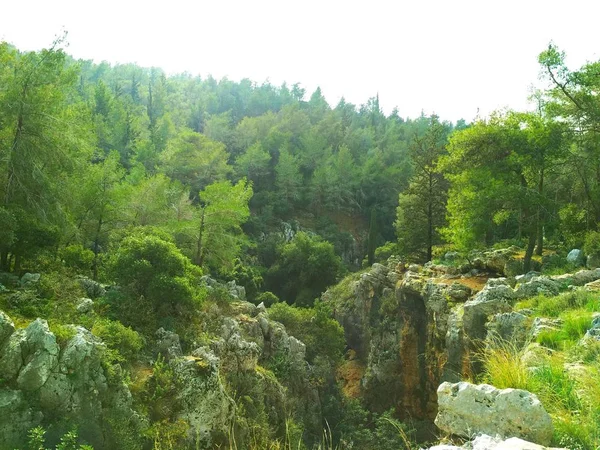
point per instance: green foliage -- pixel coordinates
(322, 335)
(123, 342)
(592, 243)
(78, 258)
(27, 304)
(157, 277)
(69, 441)
(306, 266)
(63, 333)
(267, 298)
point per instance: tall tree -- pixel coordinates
(422, 206)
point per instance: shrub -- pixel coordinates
(268, 298)
(28, 304)
(591, 245)
(322, 335)
(124, 342)
(306, 266)
(77, 258)
(156, 276)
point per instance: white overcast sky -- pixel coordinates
(447, 57)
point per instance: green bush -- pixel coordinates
(124, 343)
(77, 257)
(268, 298)
(591, 245)
(27, 304)
(306, 266)
(156, 276)
(322, 335)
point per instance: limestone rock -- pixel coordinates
(85, 305)
(204, 404)
(7, 327)
(168, 344)
(576, 257)
(466, 409)
(30, 280)
(16, 418)
(490, 300)
(537, 285)
(39, 351)
(511, 327)
(92, 288)
(593, 261)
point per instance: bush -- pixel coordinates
(124, 343)
(322, 335)
(28, 304)
(591, 245)
(77, 258)
(268, 298)
(155, 275)
(306, 266)
(385, 251)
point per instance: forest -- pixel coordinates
(176, 188)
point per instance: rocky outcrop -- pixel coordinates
(42, 381)
(485, 442)
(466, 410)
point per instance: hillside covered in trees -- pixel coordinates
(174, 198)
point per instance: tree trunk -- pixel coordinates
(96, 250)
(199, 259)
(529, 251)
(430, 220)
(17, 263)
(540, 217)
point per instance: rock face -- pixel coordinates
(42, 381)
(466, 410)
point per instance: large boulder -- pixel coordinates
(485, 442)
(466, 409)
(576, 257)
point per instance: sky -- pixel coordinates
(453, 58)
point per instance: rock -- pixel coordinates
(414, 268)
(451, 256)
(61, 386)
(527, 277)
(7, 327)
(576, 257)
(485, 442)
(261, 308)
(537, 285)
(509, 327)
(459, 292)
(16, 418)
(466, 409)
(592, 286)
(168, 344)
(541, 324)
(492, 299)
(39, 351)
(30, 280)
(204, 404)
(593, 261)
(237, 292)
(92, 288)
(594, 331)
(85, 305)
